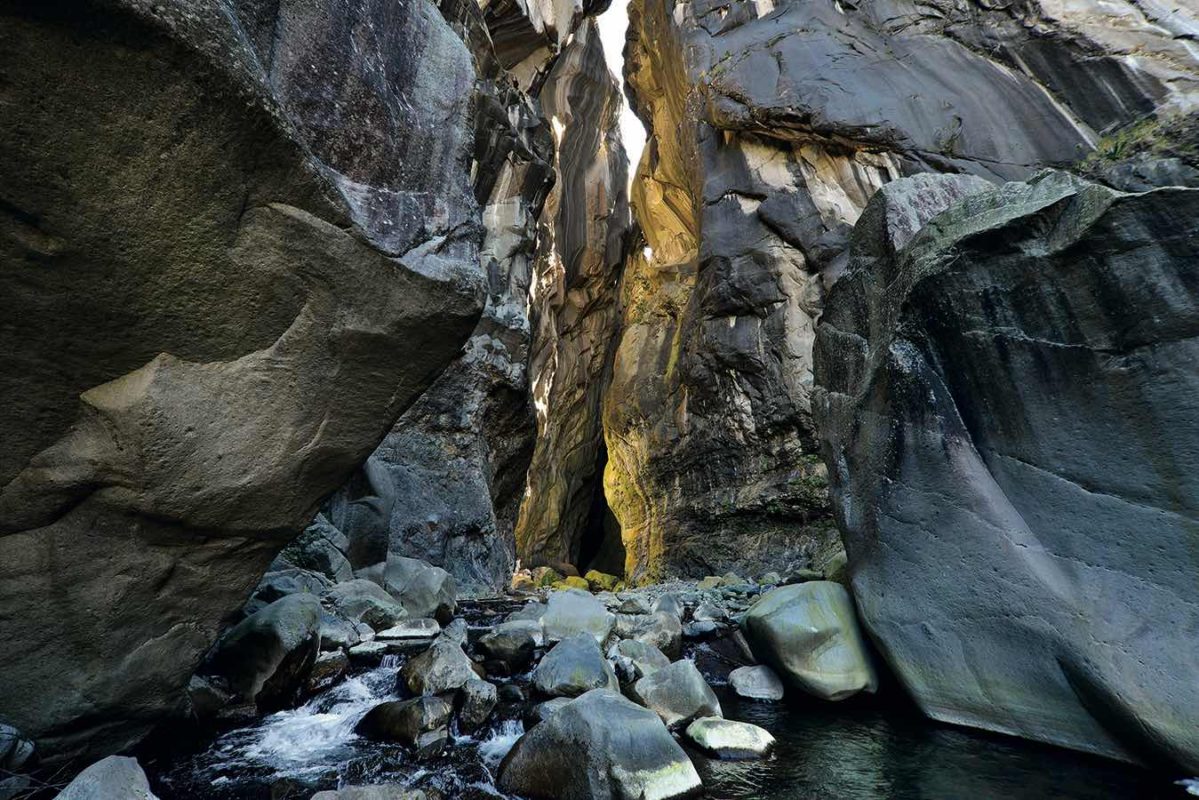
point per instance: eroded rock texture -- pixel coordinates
(1008, 400)
(580, 256)
(772, 124)
(238, 240)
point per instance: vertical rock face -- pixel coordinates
(1008, 402)
(574, 298)
(772, 124)
(238, 240)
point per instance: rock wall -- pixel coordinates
(239, 239)
(448, 481)
(1008, 403)
(574, 297)
(772, 124)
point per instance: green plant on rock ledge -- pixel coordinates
(1173, 137)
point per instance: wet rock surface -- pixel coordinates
(1034, 414)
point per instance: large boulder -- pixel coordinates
(726, 739)
(320, 548)
(265, 658)
(573, 611)
(809, 633)
(660, 629)
(599, 747)
(423, 589)
(510, 647)
(362, 600)
(573, 667)
(442, 668)
(415, 723)
(228, 279)
(677, 693)
(1010, 411)
(112, 778)
(756, 683)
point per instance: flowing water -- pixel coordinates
(829, 751)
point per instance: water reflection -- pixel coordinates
(859, 752)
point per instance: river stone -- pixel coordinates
(414, 723)
(1036, 342)
(321, 549)
(634, 604)
(440, 669)
(112, 778)
(15, 749)
(380, 792)
(659, 629)
(632, 659)
(476, 701)
(338, 633)
(368, 653)
(809, 633)
(573, 611)
(328, 669)
(266, 657)
(361, 600)
(756, 683)
(730, 740)
(423, 589)
(599, 747)
(677, 693)
(531, 611)
(281, 583)
(510, 647)
(542, 711)
(572, 667)
(424, 628)
(669, 603)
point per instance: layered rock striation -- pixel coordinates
(771, 126)
(1007, 400)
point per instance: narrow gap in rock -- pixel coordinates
(601, 548)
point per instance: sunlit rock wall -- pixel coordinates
(772, 124)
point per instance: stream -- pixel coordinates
(855, 749)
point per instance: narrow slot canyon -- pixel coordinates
(585, 400)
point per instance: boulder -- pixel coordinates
(266, 657)
(726, 739)
(112, 778)
(573, 667)
(542, 711)
(217, 324)
(659, 629)
(677, 693)
(281, 583)
(573, 611)
(1037, 348)
(361, 600)
(340, 634)
(440, 669)
(531, 611)
(327, 670)
(601, 581)
(572, 582)
(809, 633)
(321, 549)
(633, 604)
(632, 659)
(669, 603)
(423, 589)
(16, 752)
(756, 683)
(509, 649)
(410, 629)
(476, 701)
(599, 747)
(368, 653)
(420, 723)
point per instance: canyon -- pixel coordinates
(898, 304)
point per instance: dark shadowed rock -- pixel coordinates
(476, 701)
(572, 667)
(510, 647)
(440, 669)
(1010, 426)
(362, 600)
(599, 747)
(266, 657)
(413, 722)
(232, 273)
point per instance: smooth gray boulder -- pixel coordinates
(423, 589)
(573, 611)
(266, 657)
(677, 693)
(410, 630)
(415, 723)
(321, 549)
(361, 600)
(659, 629)
(572, 667)
(632, 659)
(756, 683)
(1017, 503)
(444, 667)
(809, 633)
(112, 778)
(729, 740)
(599, 747)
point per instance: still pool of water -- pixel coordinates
(855, 751)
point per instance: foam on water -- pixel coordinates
(493, 749)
